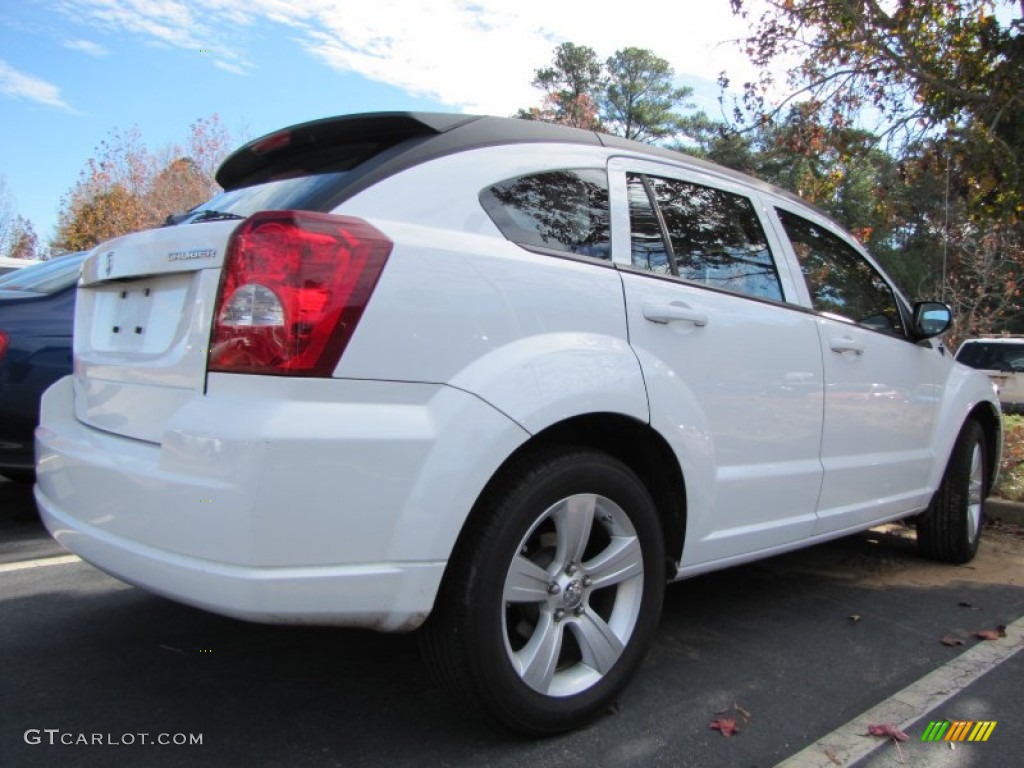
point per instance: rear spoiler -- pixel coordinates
(330, 142)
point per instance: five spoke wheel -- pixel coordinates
(573, 594)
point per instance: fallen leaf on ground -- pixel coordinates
(885, 729)
(991, 634)
(832, 757)
(950, 640)
(725, 725)
(854, 618)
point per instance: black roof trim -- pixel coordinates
(408, 139)
(478, 132)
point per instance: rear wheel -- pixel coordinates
(554, 593)
(950, 530)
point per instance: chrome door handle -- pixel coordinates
(666, 313)
(846, 344)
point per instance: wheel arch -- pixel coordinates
(627, 439)
(968, 395)
(992, 425)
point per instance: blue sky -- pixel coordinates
(71, 71)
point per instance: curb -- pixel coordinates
(1004, 511)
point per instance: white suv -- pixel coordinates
(503, 378)
(1002, 360)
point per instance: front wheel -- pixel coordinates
(950, 529)
(554, 592)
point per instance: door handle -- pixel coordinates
(846, 344)
(666, 313)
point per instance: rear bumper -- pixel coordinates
(325, 502)
(387, 597)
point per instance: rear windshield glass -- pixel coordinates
(303, 193)
(993, 357)
(47, 277)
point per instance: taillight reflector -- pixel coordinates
(293, 288)
(4, 341)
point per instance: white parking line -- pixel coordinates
(42, 562)
(851, 742)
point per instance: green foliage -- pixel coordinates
(640, 99)
(631, 95)
(572, 86)
(925, 66)
(1011, 482)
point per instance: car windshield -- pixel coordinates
(45, 278)
(1001, 356)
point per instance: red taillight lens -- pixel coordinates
(293, 289)
(4, 341)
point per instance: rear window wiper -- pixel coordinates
(194, 218)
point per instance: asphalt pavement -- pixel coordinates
(792, 650)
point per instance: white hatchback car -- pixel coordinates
(503, 378)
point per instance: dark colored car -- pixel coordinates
(37, 313)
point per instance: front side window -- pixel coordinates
(564, 210)
(713, 237)
(842, 283)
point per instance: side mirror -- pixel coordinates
(931, 318)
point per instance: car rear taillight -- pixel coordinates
(4, 341)
(293, 288)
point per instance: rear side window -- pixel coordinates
(701, 234)
(563, 211)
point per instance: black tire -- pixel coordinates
(524, 536)
(23, 476)
(950, 529)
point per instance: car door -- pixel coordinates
(880, 387)
(733, 371)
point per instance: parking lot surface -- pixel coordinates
(790, 650)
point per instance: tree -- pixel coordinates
(985, 284)
(572, 86)
(18, 238)
(925, 66)
(23, 241)
(128, 187)
(640, 99)
(631, 95)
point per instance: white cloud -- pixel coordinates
(476, 55)
(87, 47)
(23, 86)
(202, 25)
